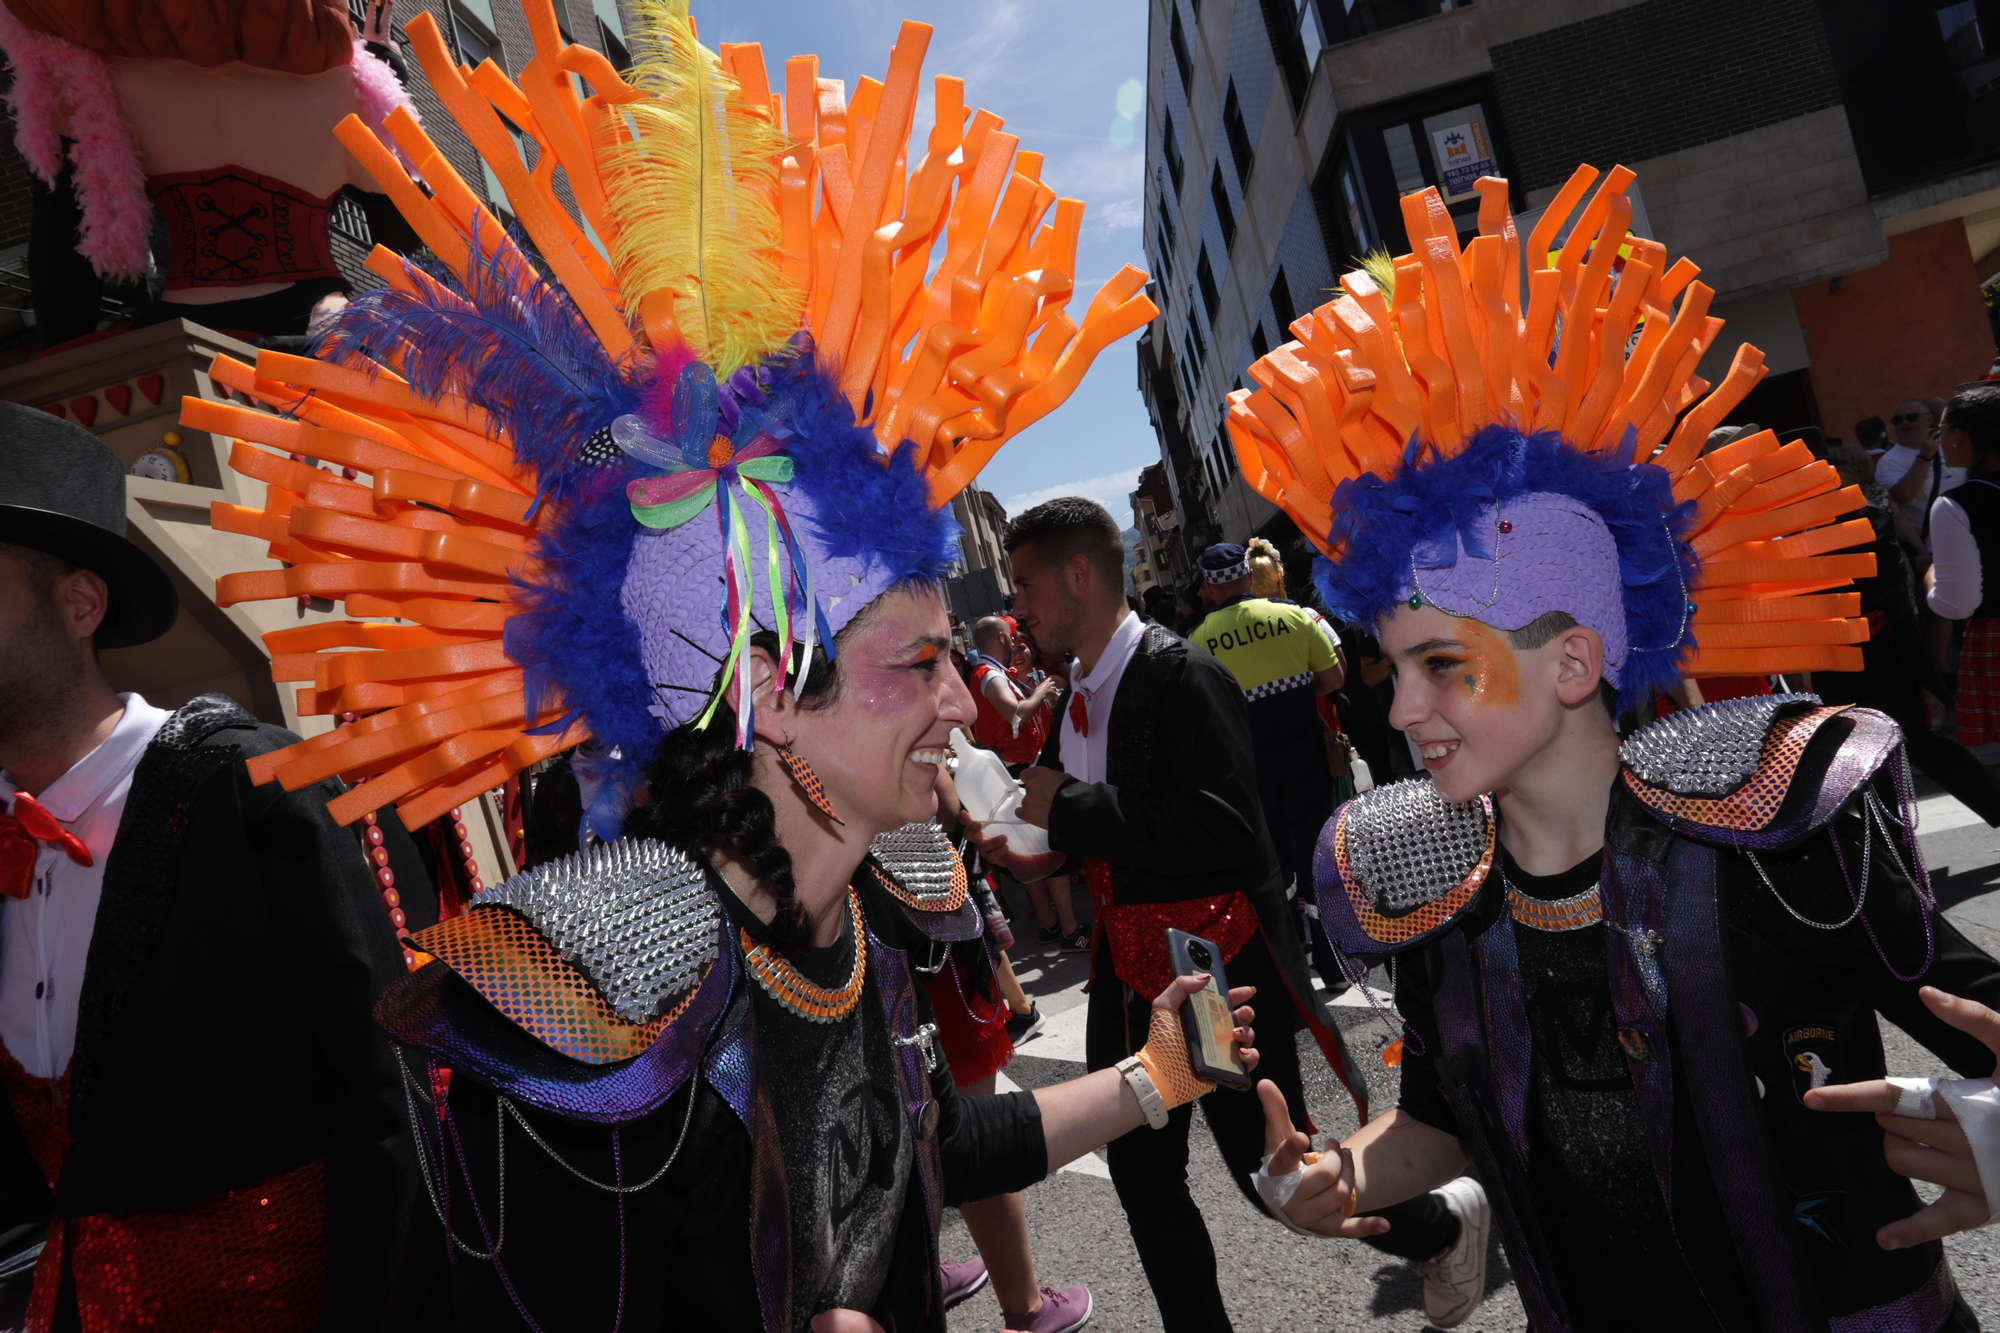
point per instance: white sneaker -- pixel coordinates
(1455, 1281)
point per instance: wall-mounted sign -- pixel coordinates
(1464, 153)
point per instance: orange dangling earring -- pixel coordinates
(808, 781)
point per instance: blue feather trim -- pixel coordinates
(1378, 523)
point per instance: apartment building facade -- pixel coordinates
(1832, 165)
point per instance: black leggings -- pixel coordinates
(1149, 1167)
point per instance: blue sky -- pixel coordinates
(1053, 69)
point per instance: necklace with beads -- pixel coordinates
(1558, 914)
(784, 982)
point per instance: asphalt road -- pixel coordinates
(1278, 1282)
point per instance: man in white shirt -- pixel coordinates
(1150, 776)
(196, 1105)
(1914, 471)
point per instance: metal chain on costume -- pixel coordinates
(1867, 852)
(557, 1157)
(1420, 597)
(432, 1184)
(1399, 1029)
(1687, 602)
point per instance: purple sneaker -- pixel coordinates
(957, 1281)
(1061, 1311)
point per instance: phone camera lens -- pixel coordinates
(1199, 955)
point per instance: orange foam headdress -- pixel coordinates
(1600, 348)
(722, 225)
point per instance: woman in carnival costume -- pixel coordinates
(1638, 976)
(681, 501)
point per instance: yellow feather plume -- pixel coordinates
(694, 191)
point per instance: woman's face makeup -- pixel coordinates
(1460, 697)
(879, 745)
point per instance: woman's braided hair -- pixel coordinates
(700, 798)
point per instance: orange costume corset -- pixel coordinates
(250, 1260)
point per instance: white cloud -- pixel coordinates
(1113, 491)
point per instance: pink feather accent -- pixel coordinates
(56, 80)
(380, 92)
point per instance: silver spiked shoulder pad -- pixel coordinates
(921, 869)
(635, 916)
(1713, 750)
(1398, 864)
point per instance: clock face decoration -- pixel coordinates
(160, 465)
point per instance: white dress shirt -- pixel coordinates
(1959, 587)
(1083, 756)
(1895, 464)
(45, 937)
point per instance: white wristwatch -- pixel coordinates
(1141, 1083)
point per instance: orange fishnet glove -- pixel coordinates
(1165, 1057)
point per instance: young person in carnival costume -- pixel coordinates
(684, 506)
(1639, 977)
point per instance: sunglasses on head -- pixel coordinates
(1906, 418)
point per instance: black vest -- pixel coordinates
(1980, 499)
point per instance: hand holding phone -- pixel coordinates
(1206, 1018)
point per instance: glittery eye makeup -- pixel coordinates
(1492, 673)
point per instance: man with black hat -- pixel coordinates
(199, 1112)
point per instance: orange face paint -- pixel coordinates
(1492, 673)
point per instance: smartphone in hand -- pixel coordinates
(1206, 1017)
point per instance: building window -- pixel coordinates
(1239, 136)
(1281, 301)
(1297, 37)
(1177, 38)
(1200, 347)
(472, 33)
(1223, 450)
(1260, 346)
(496, 194)
(1204, 276)
(349, 219)
(614, 50)
(1173, 150)
(1165, 241)
(1361, 17)
(1340, 196)
(1224, 214)
(1448, 139)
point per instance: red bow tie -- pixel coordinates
(21, 836)
(1079, 713)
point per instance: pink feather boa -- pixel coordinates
(56, 80)
(53, 79)
(380, 93)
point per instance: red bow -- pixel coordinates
(21, 836)
(1079, 714)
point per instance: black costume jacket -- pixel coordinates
(600, 1008)
(1726, 1008)
(223, 1034)
(1178, 816)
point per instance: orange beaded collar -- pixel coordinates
(784, 983)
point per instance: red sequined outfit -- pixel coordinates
(251, 1260)
(1138, 931)
(971, 1028)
